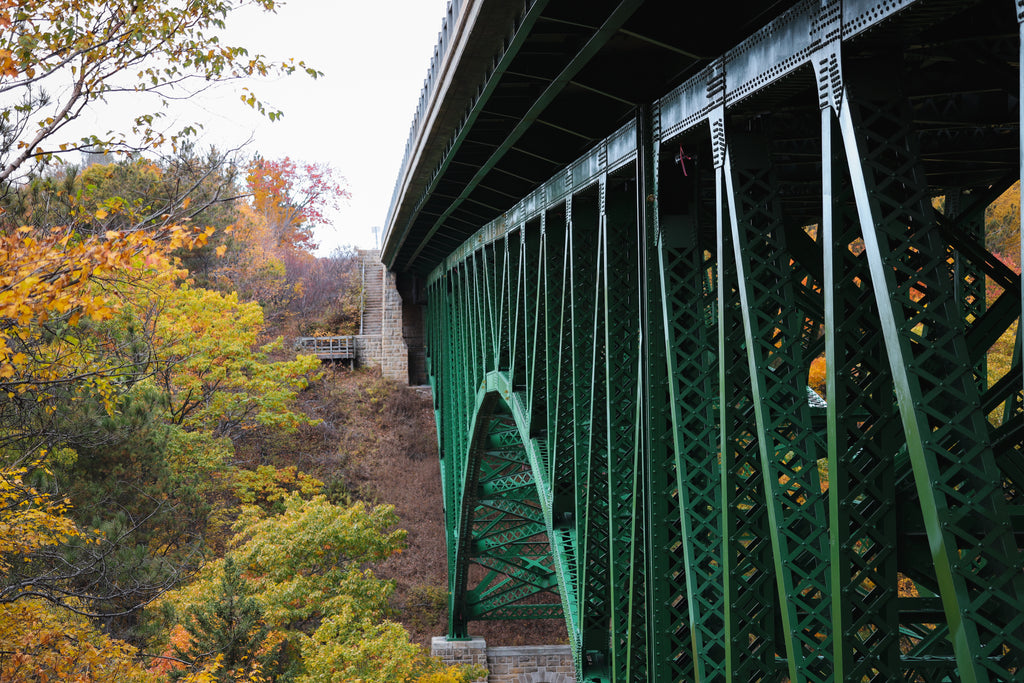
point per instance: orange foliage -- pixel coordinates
(167, 661)
(254, 267)
(41, 643)
(293, 198)
(57, 273)
(816, 376)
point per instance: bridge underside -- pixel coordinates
(621, 364)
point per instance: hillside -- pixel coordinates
(378, 442)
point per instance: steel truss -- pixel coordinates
(620, 371)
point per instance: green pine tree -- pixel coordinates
(230, 625)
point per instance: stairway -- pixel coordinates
(371, 322)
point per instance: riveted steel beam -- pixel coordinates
(602, 35)
(622, 366)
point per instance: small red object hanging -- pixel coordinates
(682, 159)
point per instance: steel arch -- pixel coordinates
(642, 326)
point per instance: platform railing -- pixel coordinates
(328, 348)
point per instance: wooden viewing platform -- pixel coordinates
(328, 348)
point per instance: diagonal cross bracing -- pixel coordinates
(623, 363)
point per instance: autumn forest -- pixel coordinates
(150, 526)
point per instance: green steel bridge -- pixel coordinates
(631, 230)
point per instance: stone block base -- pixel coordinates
(453, 652)
(523, 664)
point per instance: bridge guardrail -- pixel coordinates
(429, 85)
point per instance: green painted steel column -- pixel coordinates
(516, 310)
(977, 564)
(772, 325)
(622, 372)
(455, 454)
(667, 629)
(687, 268)
(535, 328)
(863, 435)
(587, 212)
(750, 601)
(593, 533)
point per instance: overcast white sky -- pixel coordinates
(374, 55)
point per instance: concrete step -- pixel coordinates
(373, 294)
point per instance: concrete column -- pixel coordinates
(394, 355)
(452, 652)
(519, 664)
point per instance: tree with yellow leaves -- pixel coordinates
(252, 263)
(38, 642)
(74, 256)
(50, 282)
(303, 573)
(57, 57)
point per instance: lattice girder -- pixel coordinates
(621, 364)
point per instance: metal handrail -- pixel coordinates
(362, 292)
(429, 85)
(340, 347)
